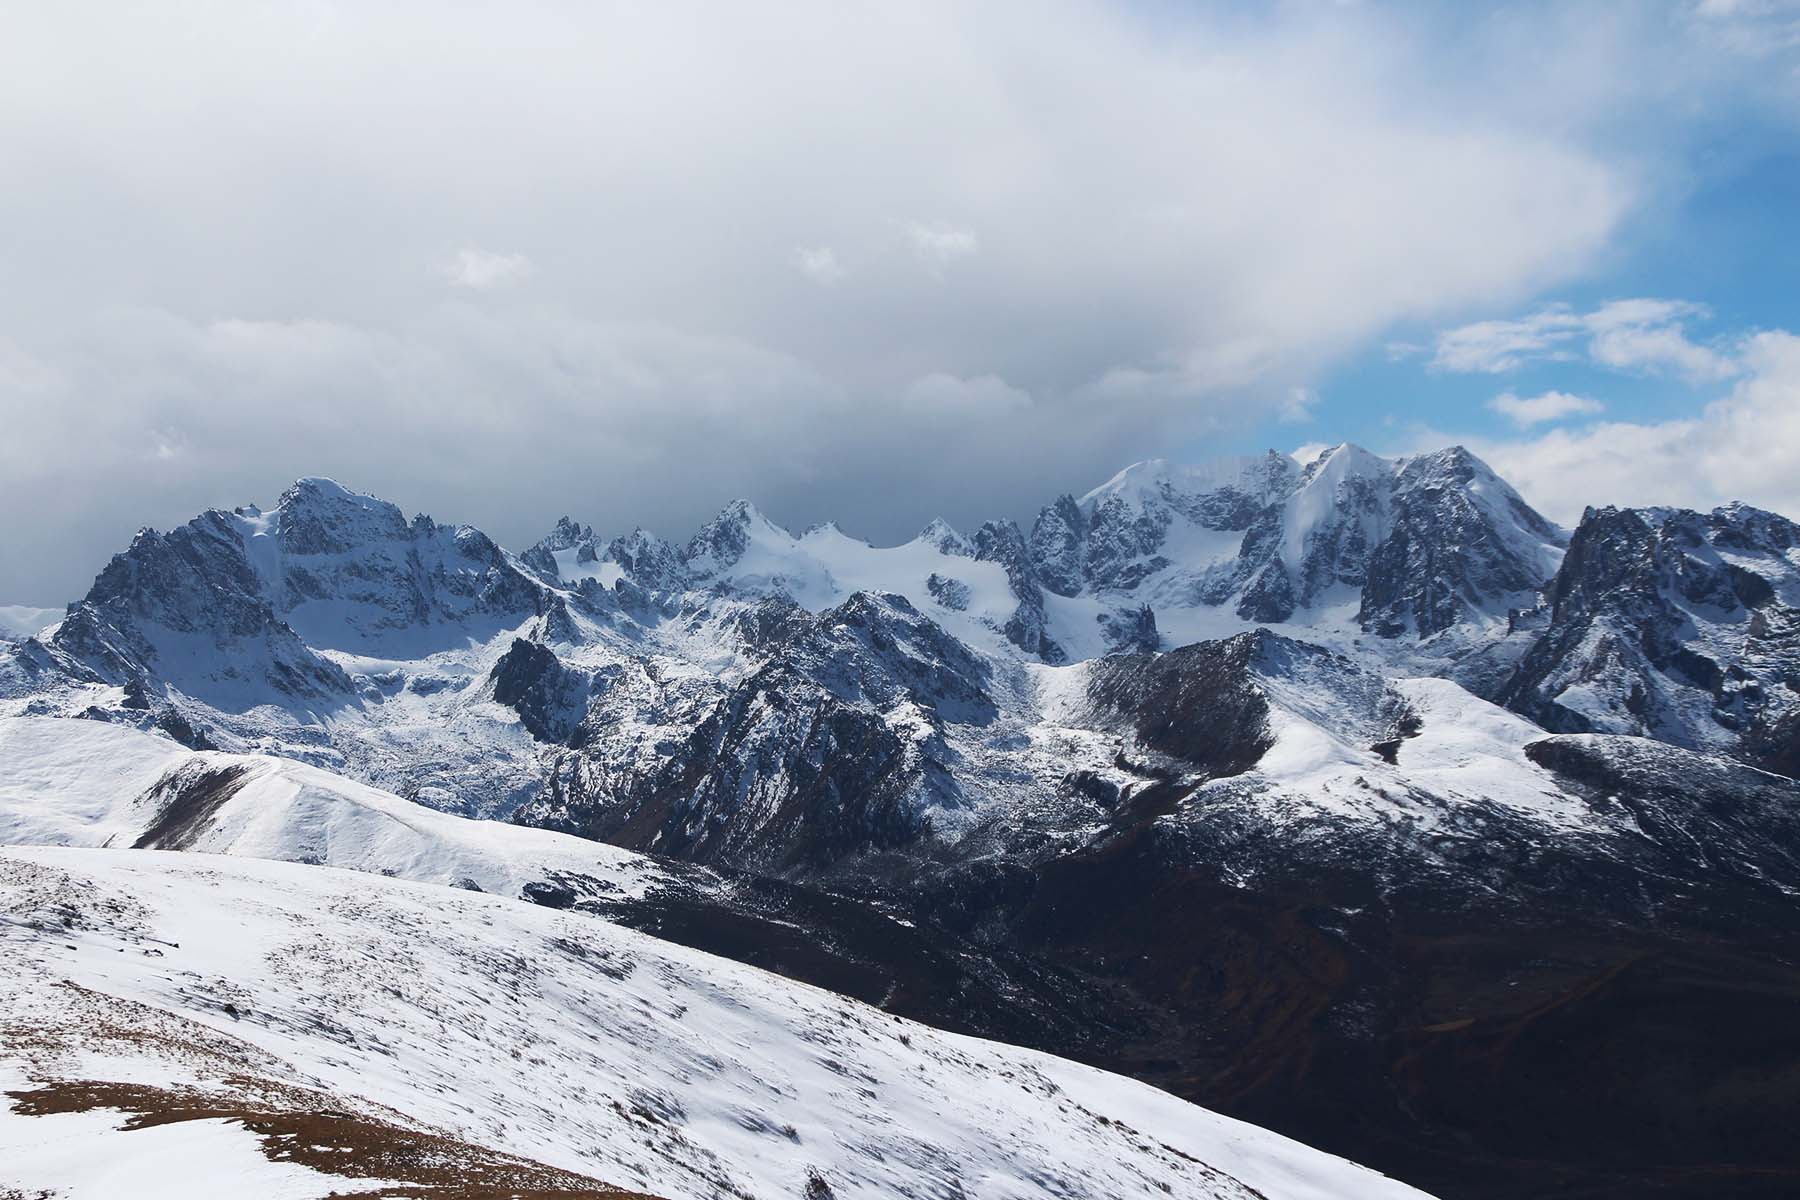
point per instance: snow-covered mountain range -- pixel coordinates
(760, 698)
(1339, 699)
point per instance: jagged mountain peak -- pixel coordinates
(721, 542)
(1157, 480)
(943, 537)
(567, 535)
(316, 515)
(830, 530)
(320, 493)
(743, 512)
(319, 487)
(1343, 461)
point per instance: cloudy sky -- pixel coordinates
(878, 262)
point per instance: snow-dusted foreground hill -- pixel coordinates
(89, 783)
(550, 1036)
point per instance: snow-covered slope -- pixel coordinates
(89, 783)
(564, 1040)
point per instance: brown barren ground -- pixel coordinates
(409, 1162)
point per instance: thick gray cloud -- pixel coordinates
(873, 262)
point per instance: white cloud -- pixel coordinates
(820, 264)
(947, 395)
(167, 444)
(1245, 202)
(1753, 28)
(1298, 406)
(1495, 347)
(1744, 446)
(481, 269)
(1525, 411)
(940, 245)
(1639, 335)
(1648, 335)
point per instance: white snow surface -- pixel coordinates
(91, 1156)
(564, 1039)
(1467, 751)
(824, 567)
(88, 783)
(1471, 749)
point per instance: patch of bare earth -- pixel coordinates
(58, 1026)
(409, 1162)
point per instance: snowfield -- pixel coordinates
(89, 783)
(554, 1037)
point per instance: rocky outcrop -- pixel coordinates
(1001, 542)
(1461, 545)
(187, 609)
(1670, 624)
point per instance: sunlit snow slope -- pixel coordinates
(567, 1041)
(89, 783)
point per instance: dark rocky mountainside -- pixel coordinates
(1674, 625)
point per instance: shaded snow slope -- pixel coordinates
(576, 1044)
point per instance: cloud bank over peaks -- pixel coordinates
(861, 261)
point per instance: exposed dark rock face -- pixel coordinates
(881, 649)
(652, 564)
(778, 775)
(1718, 816)
(551, 700)
(566, 536)
(1122, 543)
(1270, 597)
(1001, 542)
(209, 608)
(1670, 624)
(1447, 555)
(1058, 546)
(951, 593)
(793, 766)
(187, 607)
(723, 540)
(186, 801)
(1199, 704)
(1426, 543)
(1131, 630)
